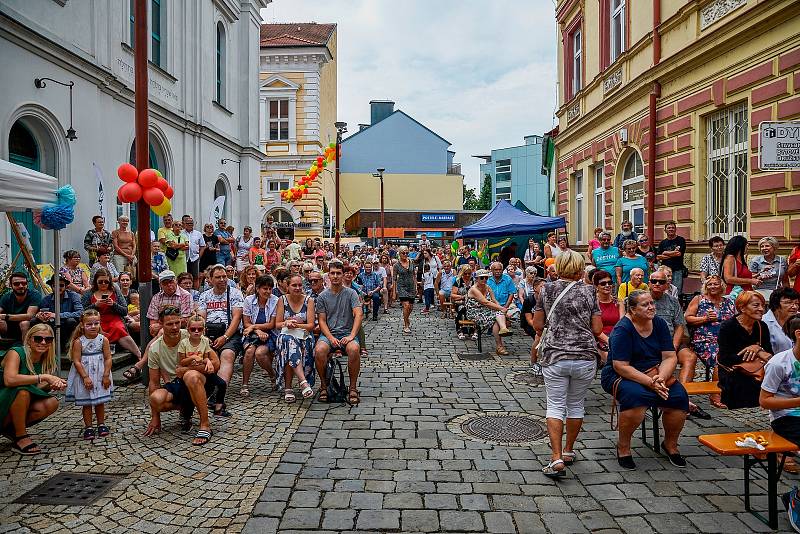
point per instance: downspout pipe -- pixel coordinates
(655, 93)
(656, 32)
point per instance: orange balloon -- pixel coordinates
(549, 261)
(153, 196)
(148, 178)
(162, 183)
(127, 172)
(169, 193)
(130, 192)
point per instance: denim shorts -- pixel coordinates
(325, 340)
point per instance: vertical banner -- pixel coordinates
(217, 210)
(98, 175)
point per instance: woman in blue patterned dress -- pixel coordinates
(705, 314)
(295, 355)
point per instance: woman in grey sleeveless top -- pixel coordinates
(405, 286)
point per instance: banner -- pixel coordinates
(217, 208)
(98, 175)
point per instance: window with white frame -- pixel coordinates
(221, 64)
(502, 170)
(156, 32)
(578, 229)
(617, 28)
(504, 196)
(726, 171)
(577, 62)
(276, 186)
(279, 120)
(599, 198)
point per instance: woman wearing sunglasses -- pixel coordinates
(106, 298)
(27, 377)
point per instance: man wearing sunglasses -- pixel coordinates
(18, 307)
(669, 309)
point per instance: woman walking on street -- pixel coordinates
(568, 319)
(405, 286)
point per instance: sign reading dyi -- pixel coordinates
(779, 146)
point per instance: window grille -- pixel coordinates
(726, 171)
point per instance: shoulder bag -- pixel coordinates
(753, 368)
(541, 346)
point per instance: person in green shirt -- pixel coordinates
(26, 381)
(18, 307)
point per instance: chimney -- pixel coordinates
(379, 110)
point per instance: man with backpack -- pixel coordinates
(340, 315)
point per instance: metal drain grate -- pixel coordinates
(526, 378)
(70, 489)
(500, 428)
(471, 356)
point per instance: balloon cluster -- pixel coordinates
(57, 216)
(301, 189)
(149, 185)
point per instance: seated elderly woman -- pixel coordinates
(27, 378)
(482, 307)
(641, 361)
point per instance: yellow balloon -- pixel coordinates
(163, 208)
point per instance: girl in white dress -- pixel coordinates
(89, 382)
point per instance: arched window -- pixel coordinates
(221, 64)
(23, 150)
(633, 192)
(633, 168)
(221, 190)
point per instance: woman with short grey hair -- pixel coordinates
(769, 268)
(567, 317)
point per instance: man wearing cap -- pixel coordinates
(70, 309)
(171, 294)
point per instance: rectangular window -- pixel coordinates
(502, 170)
(578, 191)
(155, 32)
(131, 22)
(502, 190)
(278, 120)
(599, 198)
(276, 186)
(617, 32)
(504, 196)
(726, 173)
(576, 62)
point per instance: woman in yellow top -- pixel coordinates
(636, 283)
(177, 246)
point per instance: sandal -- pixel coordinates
(222, 411)
(502, 351)
(307, 391)
(353, 397)
(475, 336)
(103, 431)
(27, 450)
(717, 403)
(550, 469)
(288, 395)
(88, 433)
(569, 457)
(406, 330)
(245, 391)
(132, 374)
(322, 396)
(461, 336)
(204, 436)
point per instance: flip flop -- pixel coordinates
(204, 435)
(550, 469)
(27, 450)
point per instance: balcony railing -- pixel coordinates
(455, 168)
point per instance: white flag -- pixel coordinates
(217, 210)
(98, 175)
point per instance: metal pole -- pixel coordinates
(144, 268)
(383, 222)
(338, 236)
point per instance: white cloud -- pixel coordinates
(479, 73)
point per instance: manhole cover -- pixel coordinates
(526, 378)
(499, 428)
(70, 488)
(474, 356)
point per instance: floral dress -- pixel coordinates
(92, 359)
(479, 313)
(295, 346)
(704, 339)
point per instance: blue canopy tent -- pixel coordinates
(505, 221)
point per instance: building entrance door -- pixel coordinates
(633, 193)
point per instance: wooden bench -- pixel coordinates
(447, 309)
(472, 324)
(702, 388)
(692, 388)
(724, 444)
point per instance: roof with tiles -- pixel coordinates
(296, 34)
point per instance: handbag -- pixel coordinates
(737, 288)
(541, 346)
(753, 368)
(172, 253)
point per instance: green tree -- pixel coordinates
(485, 200)
(470, 199)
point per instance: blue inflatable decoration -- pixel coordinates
(57, 216)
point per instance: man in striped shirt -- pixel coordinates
(171, 294)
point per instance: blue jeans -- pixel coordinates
(428, 294)
(376, 304)
(677, 280)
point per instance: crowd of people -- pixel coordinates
(618, 307)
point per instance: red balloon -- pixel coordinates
(169, 192)
(320, 159)
(153, 196)
(127, 172)
(130, 192)
(162, 184)
(148, 178)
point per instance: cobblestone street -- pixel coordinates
(397, 462)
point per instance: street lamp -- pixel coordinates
(41, 83)
(341, 128)
(379, 175)
(237, 162)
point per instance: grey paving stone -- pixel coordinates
(514, 503)
(623, 507)
(269, 509)
(339, 519)
(595, 520)
(499, 522)
(366, 501)
(300, 518)
(402, 501)
(336, 500)
(718, 522)
(378, 520)
(474, 501)
(419, 521)
(563, 523)
(671, 523)
(260, 525)
(452, 521)
(440, 502)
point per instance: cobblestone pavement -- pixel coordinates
(395, 463)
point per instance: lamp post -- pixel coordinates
(41, 83)
(238, 163)
(341, 127)
(379, 175)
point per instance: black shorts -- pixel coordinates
(406, 299)
(180, 393)
(788, 427)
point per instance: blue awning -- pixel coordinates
(506, 220)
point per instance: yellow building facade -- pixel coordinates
(297, 114)
(666, 96)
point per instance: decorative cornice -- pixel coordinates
(612, 81)
(574, 111)
(718, 9)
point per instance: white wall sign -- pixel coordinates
(779, 146)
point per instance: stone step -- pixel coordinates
(120, 360)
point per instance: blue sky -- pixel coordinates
(481, 74)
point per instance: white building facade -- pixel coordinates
(203, 90)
